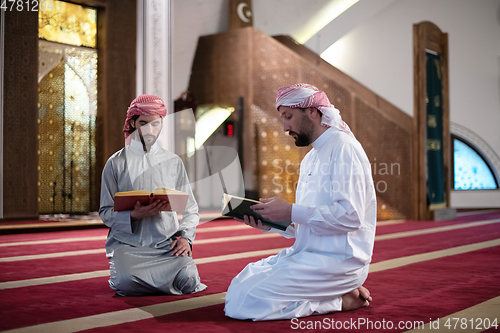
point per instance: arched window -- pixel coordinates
(471, 170)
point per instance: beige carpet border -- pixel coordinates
(403, 261)
(237, 227)
(436, 229)
(123, 316)
(102, 250)
(102, 273)
(489, 309)
(259, 236)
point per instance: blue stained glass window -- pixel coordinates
(471, 170)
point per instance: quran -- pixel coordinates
(127, 200)
(234, 206)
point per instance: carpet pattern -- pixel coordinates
(429, 273)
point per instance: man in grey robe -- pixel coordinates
(148, 247)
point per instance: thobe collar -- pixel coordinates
(323, 138)
(136, 147)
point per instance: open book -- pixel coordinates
(126, 200)
(234, 206)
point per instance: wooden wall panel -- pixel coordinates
(388, 147)
(115, 78)
(426, 35)
(338, 96)
(20, 145)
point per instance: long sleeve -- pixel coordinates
(345, 186)
(288, 233)
(120, 221)
(191, 217)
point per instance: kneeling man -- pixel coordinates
(333, 225)
(148, 248)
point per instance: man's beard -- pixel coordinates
(150, 140)
(304, 133)
(148, 143)
(302, 140)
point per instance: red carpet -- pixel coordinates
(419, 291)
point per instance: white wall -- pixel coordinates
(192, 19)
(295, 18)
(379, 54)
(476, 199)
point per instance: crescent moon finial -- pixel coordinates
(241, 15)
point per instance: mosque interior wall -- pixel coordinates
(248, 63)
(382, 66)
(377, 52)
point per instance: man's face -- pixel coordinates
(297, 124)
(150, 127)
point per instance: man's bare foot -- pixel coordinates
(356, 299)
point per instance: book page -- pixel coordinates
(162, 190)
(242, 199)
(225, 199)
(132, 193)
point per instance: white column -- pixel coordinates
(154, 55)
(2, 33)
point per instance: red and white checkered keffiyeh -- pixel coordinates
(303, 95)
(144, 105)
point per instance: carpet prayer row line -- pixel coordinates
(228, 226)
(468, 243)
(421, 277)
(383, 251)
(17, 250)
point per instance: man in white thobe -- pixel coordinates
(148, 248)
(333, 222)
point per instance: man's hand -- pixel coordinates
(274, 209)
(249, 220)
(181, 247)
(141, 211)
